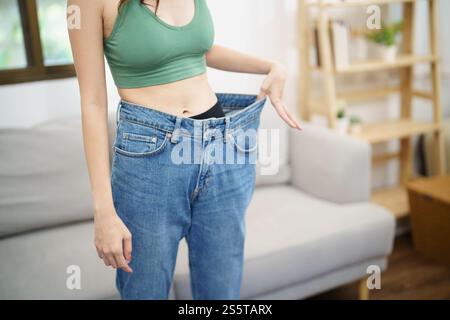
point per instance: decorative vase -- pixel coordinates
(385, 53)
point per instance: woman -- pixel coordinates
(158, 51)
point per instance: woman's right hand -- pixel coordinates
(112, 240)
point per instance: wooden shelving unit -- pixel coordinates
(394, 198)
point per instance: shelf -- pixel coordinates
(395, 199)
(368, 94)
(393, 129)
(352, 3)
(375, 65)
(356, 95)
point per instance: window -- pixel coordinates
(34, 43)
(12, 54)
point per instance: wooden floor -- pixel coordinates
(408, 276)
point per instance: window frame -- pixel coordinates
(35, 69)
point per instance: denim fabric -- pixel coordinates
(174, 177)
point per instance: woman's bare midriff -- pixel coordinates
(186, 97)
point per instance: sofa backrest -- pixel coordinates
(273, 166)
(43, 176)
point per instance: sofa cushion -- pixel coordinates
(35, 265)
(292, 237)
(282, 176)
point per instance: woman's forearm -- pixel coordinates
(226, 59)
(96, 147)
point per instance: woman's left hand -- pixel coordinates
(273, 87)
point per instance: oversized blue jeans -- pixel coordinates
(174, 177)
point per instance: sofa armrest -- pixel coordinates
(329, 165)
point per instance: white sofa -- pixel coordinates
(310, 228)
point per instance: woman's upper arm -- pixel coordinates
(86, 40)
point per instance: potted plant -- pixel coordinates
(342, 121)
(384, 40)
(355, 125)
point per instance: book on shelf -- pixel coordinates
(340, 39)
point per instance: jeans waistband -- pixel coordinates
(240, 111)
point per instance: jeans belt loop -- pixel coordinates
(226, 131)
(118, 112)
(175, 133)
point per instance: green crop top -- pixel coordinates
(143, 50)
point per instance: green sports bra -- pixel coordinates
(143, 50)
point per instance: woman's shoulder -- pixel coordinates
(91, 5)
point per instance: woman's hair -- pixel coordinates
(123, 2)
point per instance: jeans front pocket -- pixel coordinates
(245, 137)
(134, 139)
(245, 142)
(138, 143)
